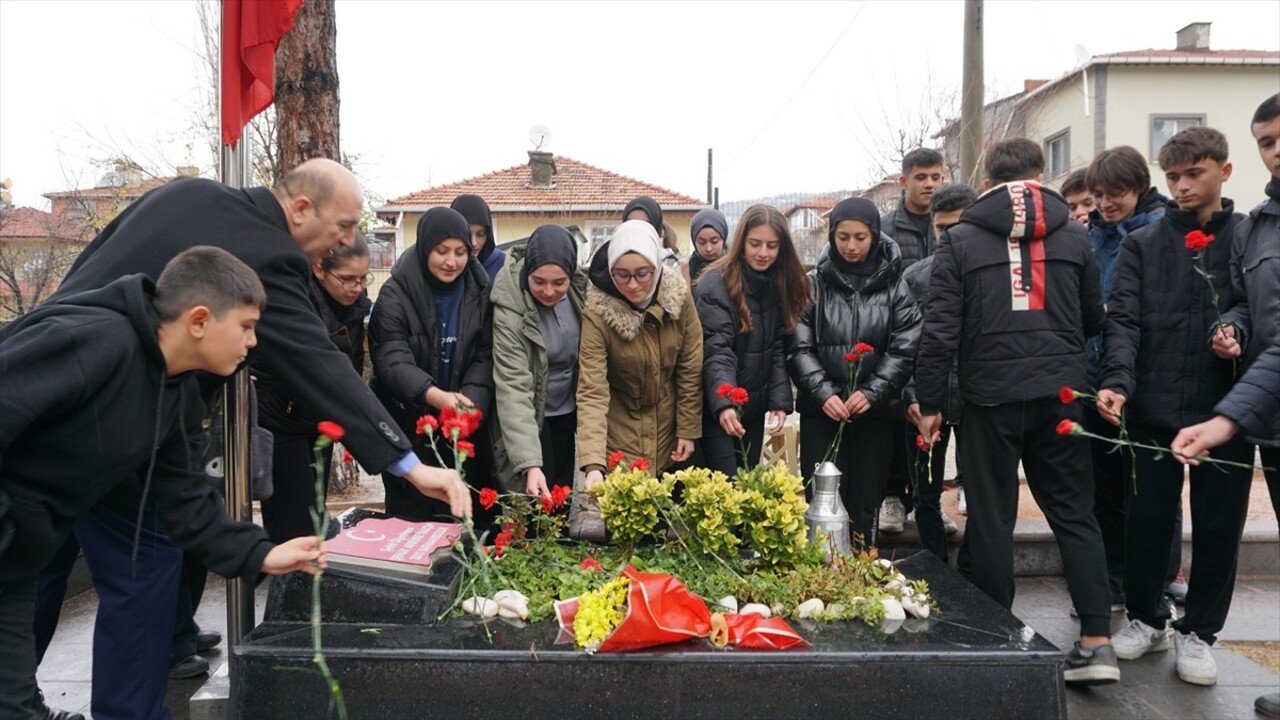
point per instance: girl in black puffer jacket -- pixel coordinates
(748, 301)
(858, 297)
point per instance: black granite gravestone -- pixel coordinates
(971, 659)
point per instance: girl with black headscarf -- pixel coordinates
(710, 233)
(858, 297)
(537, 322)
(483, 244)
(431, 342)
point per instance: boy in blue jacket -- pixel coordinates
(98, 391)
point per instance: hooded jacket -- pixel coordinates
(847, 310)
(520, 371)
(1255, 277)
(1106, 238)
(1254, 401)
(1013, 293)
(280, 411)
(916, 278)
(639, 372)
(476, 211)
(250, 224)
(86, 408)
(404, 341)
(1158, 317)
(756, 361)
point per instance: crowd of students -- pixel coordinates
(957, 309)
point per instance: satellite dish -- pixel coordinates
(539, 136)
(1082, 55)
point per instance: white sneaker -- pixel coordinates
(1137, 639)
(961, 506)
(1195, 661)
(949, 525)
(892, 516)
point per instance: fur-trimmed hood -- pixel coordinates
(626, 320)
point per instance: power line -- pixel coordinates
(793, 95)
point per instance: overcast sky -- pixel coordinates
(792, 96)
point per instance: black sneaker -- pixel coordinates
(189, 667)
(207, 640)
(44, 712)
(1091, 666)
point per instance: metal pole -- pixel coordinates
(710, 196)
(971, 94)
(234, 171)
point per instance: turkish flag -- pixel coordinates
(251, 32)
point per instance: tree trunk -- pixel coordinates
(307, 88)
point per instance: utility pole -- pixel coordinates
(971, 94)
(710, 196)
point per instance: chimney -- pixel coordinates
(1029, 85)
(542, 166)
(1194, 36)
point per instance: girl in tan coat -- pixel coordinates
(639, 380)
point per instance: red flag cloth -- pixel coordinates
(251, 32)
(661, 610)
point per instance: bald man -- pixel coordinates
(279, 233)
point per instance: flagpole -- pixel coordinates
(234, 171)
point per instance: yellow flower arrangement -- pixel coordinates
(600, 612)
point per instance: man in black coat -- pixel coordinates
(1014, 292)
(278, 233)
(1161, 374)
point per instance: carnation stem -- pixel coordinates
(320, 520)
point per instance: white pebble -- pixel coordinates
(893, 609)
(757, 609)
(728, 602)
(810, 607)
(480, 607)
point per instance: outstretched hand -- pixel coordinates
(303, 553)
(442, 484)
(1197, 440)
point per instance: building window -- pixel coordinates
(598, 231)
(1057, 154)
(1164, 127)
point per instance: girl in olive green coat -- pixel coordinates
(537, 321)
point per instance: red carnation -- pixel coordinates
(488, 496)
(921, 444)
(640, 464)
(851, 357)
(1067, 395)
(591, 564)
(466, 449)
(331, 430)
(724, 390)
(548, 505)
(501, 542)
(863, 349)
(427, 424)
(738, 396)
(1197, 240)
(615, 458)
(346, 457)
(1068, 427)
(560, 495)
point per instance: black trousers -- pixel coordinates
(559, 449)
(1060, 477)
(898, 482)
(1219, 504)
(287, 513)
(863, 459)
(720, 452)
(926, 489)
(191, 584)
(17, 651)
(1271, 459)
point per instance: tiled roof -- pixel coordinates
(1194, 55)
(30, 223)
(576, 185)
(127, 191)
(819, 205)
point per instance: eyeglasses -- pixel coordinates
(351, 282)
(622, 277)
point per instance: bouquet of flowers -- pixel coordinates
(638, 610)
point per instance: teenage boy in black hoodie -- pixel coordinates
(1159, 375)
(95, 391)
(1013, 294)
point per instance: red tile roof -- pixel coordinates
(133, 191)
(30, 223)
(576, 185)
(819, 205)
